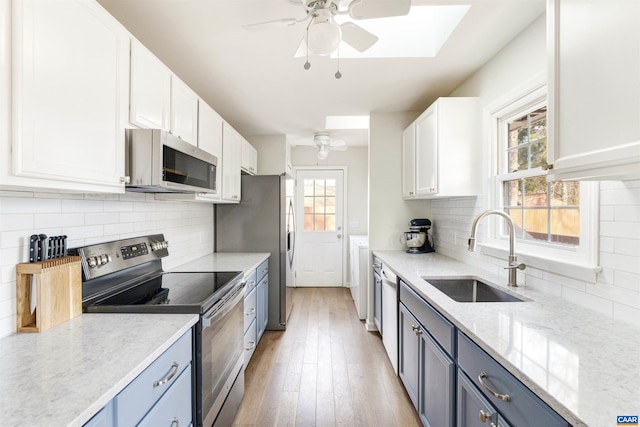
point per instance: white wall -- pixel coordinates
(617, 291)
(355, 159)
(89, 218)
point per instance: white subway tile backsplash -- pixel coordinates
(615, 293)
(626, 263)
(584, 299)
(627, 246)
(627, 213)
(626, 313)
(620, 229)
(627, 280)
(94, 218)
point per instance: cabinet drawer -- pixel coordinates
(250, 305)
(251, 281)
(139, 396)
(174, 407)
(104, 418)
(524, 408)
(262, 270)
(440, 328)
(250, 341)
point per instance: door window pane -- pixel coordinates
(319, 204)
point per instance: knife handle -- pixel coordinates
(33, 248)
(51, 247)
(42, 247)
(64, 245)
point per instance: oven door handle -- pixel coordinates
(224, 306)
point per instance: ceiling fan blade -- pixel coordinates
(337, 147)
(369, 9)
(337, 143)
(357, 37)
(271, 25)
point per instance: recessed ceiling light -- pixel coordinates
(347, 122)
(420, 34)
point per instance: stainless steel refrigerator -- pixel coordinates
(264, 221)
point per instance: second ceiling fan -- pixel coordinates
(324, 34)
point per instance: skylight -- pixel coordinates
(420, 34)
(347, 122)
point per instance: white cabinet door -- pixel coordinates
(427, 153)
(210, 139)
(231, 154)
(249, 162)
(150, 99)
(184, 111)
(409, 162)
(70, 86)
(448, 150)
(594, 89)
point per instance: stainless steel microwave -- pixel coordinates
(159, 162)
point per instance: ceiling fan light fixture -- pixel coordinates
(323, 153)
(324, 34)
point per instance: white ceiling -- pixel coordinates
(255, 83)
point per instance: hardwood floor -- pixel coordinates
(324, 370)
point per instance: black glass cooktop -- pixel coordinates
(168, 292)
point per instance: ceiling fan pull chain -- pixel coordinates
(338, 73)
(307, 64)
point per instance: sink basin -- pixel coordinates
(471, 289)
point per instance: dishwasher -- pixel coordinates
(390, 315)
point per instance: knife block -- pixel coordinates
(58, 293)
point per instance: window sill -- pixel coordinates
(572, 268)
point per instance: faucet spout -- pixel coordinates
(513, 259)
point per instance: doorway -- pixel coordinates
(320, 229)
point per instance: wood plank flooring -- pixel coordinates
(324, 370)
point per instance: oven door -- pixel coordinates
(222, 351)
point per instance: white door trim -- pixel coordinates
(345, 236)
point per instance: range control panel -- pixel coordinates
(104, 258)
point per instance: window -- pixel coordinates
(556, 222)
(542, 211)
(319, 205)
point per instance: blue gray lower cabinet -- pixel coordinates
(160, 395)
(256, 308)
(426, 369)
(377, 301)
(452, 381)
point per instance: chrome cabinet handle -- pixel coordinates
(485, 416)
(250, 312)
(174, 422)
(174, 367)
(416, 329)
(125, 180)
(504, 397)
(252, 345)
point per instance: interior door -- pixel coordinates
(319, 208)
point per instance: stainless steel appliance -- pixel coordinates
(263, 222)
(417, 240)
(126, 276)
(158, 162)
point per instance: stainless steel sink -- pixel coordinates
(471, 289)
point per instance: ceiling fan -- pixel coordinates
(324, 143)
(324, 34)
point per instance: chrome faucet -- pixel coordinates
(513, 259)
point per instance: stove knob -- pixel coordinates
(93, 262)
(155, 246)
(165, 244)
(104, 259)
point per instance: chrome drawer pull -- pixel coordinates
(250, 312)
(416, 329)
(485, 416)
(252, 345)
(174, 367)
(175, 422)
(504, 397)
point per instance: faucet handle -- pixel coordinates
(520, 266)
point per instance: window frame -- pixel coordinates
(580, 262)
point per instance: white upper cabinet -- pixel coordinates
(594, 89)
(409, 162)
(442, 151)
(70, 96)
(231, 158)
(150, 100)
(210, 138)
(249, 161)
(184, 111)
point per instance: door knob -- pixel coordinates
(339, 236)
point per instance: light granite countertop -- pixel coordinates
(65, 375)
(220, 261)
(585, 365)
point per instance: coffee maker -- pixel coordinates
(417, 240)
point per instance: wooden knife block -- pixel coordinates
(58, 293)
